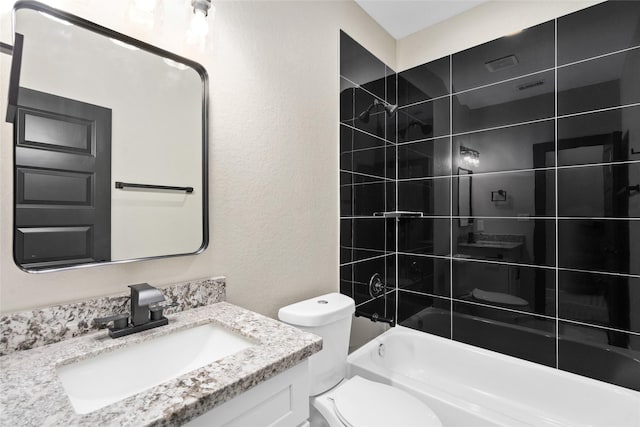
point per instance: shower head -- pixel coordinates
(366, 114)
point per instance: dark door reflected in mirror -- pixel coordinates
(110, 145)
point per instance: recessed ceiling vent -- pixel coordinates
(501, 63)
(531, 85)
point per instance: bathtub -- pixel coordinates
(468, 386)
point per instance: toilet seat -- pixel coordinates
(359, 402)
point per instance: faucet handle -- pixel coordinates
(157, 311)
(120, 321)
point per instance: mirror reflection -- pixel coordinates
(465, 209)
(110, 145)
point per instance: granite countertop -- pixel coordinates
(31, 393)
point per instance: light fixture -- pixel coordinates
(201, 9)
(469, 155)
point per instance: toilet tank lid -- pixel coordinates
(318, 311)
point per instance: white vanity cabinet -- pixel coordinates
(281, 401)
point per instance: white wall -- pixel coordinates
(481, 24)
(273, 68)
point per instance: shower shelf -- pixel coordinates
(399, 214)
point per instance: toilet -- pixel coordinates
(334, 400)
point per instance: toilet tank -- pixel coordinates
(328, 316)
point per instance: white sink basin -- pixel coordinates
(109, 377)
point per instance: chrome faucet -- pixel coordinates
(143, 316)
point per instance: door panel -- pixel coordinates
(51, 246)
(53, 132)
(44, 186)
(62, 181)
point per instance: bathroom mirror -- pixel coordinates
(465, 211)
(110, 145)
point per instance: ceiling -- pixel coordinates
(403, 17)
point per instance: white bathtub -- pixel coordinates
(472, 387)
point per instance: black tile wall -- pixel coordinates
(605, 136)
(428, 196)
(518, 147)
(507, 103)
(526, 52)
(525, 241)
(425, 236)
(599, 245)
(424, 82)
(346, 279)
(513, 333)
(425, 313)
(599, 83)
(598, 30)
(523, 157)
(367, 178)
(360, 67)
(424, 159)
(612, 191)
(425, 120)
(523, 192)
(608, 300)
(426, 275)
(383, 306)
(599, 353)
(508, 286)
(364, 270)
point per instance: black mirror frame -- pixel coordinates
(96, 28)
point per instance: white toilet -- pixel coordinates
(355, 402)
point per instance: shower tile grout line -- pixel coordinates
(384, 190)
(381, 178)
(353, 200)
(451, 195)
(363, 260)
(555, 95)
(604, 55)
(369, 300)
(511, 218)
(543, 267)
(356, 85)
(396, 225)
(527, 313)
(514, 171)
(524, 123)
(425, 101)
(366, 133)
(510, 79)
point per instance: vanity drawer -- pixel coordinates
(281, 401)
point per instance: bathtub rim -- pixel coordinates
(371, 346)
